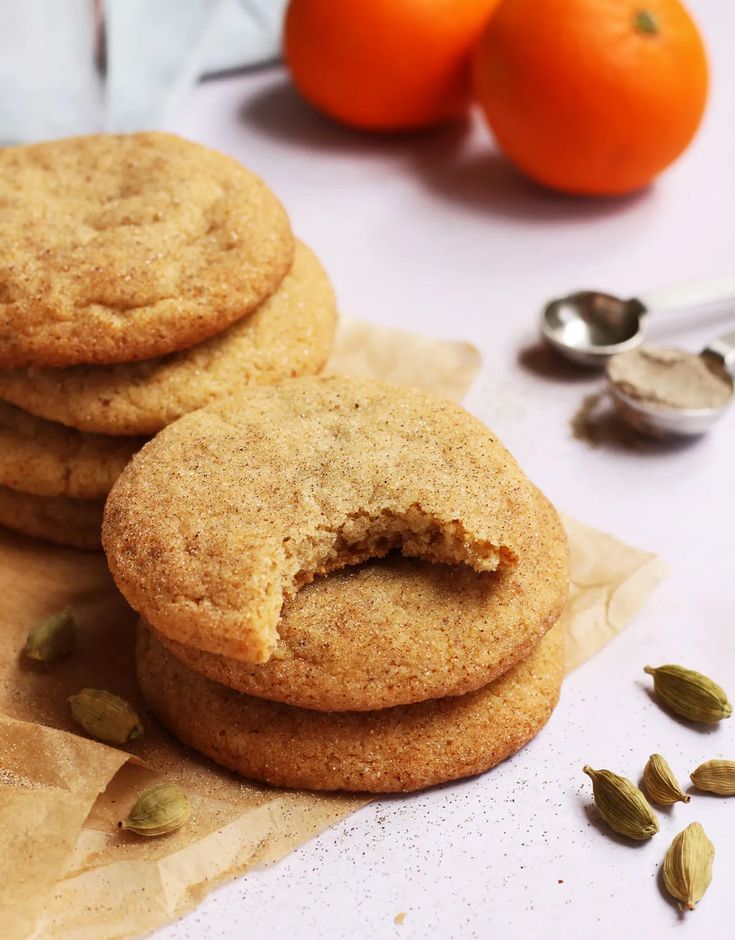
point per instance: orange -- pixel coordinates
(592, 96)
(384, 64)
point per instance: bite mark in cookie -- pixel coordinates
(233, 508)
(400, 630)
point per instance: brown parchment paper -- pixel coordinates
(610, 582)
(66, 871)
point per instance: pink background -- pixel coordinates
(438, 234)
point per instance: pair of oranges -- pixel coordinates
(585, 96)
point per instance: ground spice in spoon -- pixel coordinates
(670, 378)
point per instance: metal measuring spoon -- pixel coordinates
(659, 420)
(589, 327)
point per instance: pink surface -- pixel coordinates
(438, 234)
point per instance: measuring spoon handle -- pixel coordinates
(723, 349)
(697, 294)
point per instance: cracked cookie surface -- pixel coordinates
(400, 630)
(126, 247)
(391, 750)
(235, 507)
(289, 335)
(73, 522)
(49, 459)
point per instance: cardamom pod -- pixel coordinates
(53, 638)
(622, 805)
(690, 694)
(105, 716)
(158, 811)
(687, 868)
(715, 776)
(660, 783)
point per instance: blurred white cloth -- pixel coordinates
(156, 50)
(50, 83)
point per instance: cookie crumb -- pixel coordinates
(399, 918)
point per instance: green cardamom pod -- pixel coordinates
(105, 716)
(687, 868)
(53, 638)
(158, 811)
(622, 805)
(715, 776)
(690, 694)
(661, 784)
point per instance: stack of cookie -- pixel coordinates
(142, 276)
(342, 585)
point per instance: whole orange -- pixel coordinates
(591, 96)
(384, 64)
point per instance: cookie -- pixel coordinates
(48, 459)
(236, 506)
(291, 334)
(126, 247)
(400, 630)
(396, 749)
(73, 522)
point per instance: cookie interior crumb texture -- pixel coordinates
(233, 508)
(399, 630)
(669, 378)
(124, 247)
